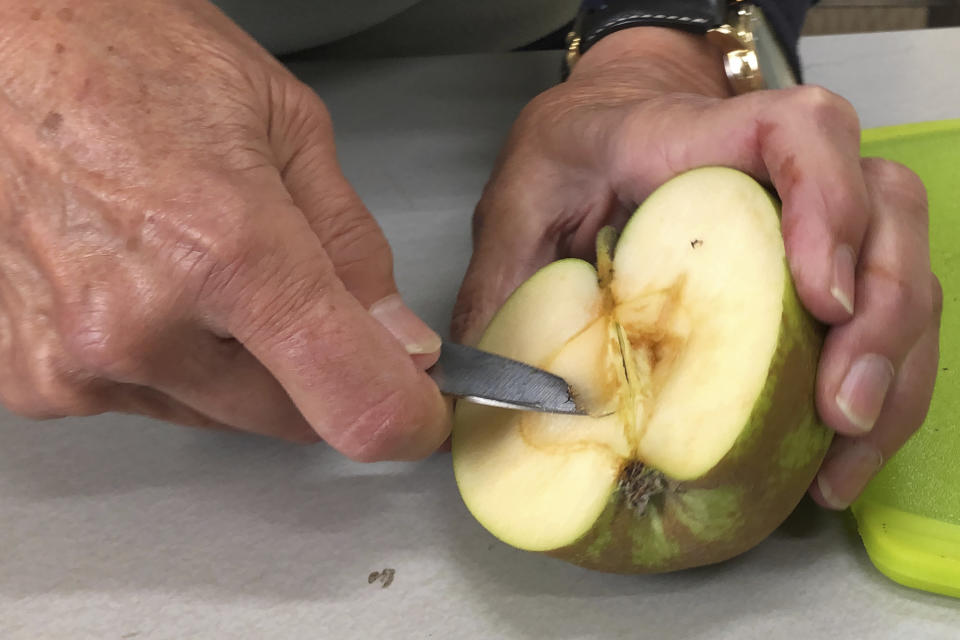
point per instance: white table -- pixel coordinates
(118, 527)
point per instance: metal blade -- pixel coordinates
(484, 378)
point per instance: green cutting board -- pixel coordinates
(909, 515)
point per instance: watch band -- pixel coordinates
(599, 18)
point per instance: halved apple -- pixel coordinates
(689, 345)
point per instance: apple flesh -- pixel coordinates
(698, 363)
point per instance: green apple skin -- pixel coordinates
(746, 496)
(749, 493)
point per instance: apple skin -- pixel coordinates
(743, 498)
(746, 496)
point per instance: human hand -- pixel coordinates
(644, 105)
(178, 240)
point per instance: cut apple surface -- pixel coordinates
(689, 346)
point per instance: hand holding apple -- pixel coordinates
(177, 239)
(644, 105)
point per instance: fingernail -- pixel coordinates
(864, 390)
(843, 285)
(410, 330)
(858, 464)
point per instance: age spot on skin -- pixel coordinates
(50, 126)
(84, 89)
(37, 14)
(65, 14)
(790, 174)
(59, 48)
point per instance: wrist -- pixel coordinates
(662, 60)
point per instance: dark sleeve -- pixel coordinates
(786, 18)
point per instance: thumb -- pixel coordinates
(348, 376)
(355, 243)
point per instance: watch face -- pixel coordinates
(774, 66)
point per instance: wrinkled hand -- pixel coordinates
(646, 104)
(177, 240)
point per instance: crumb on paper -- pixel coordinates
(385, 577)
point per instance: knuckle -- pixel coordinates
(30, 408)
(45, 394)
(209, 232)
(23, 404)
(64, 397)
(358, 243)
(905, 303)
(898, 184)
(229, 255)
(298, 98)
(297, 113)
(823, 106)
(233, 235)
(344, 218)
(314, 112)
(900, 292)
(103, 341)
(891, 172)
(232, 261)
(41, 379)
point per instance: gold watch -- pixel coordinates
(753, 56)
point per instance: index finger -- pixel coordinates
(804, 141)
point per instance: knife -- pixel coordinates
(485, 378)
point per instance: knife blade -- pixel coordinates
(485, 378)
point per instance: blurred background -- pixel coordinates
(859, 16)
(848, 16)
